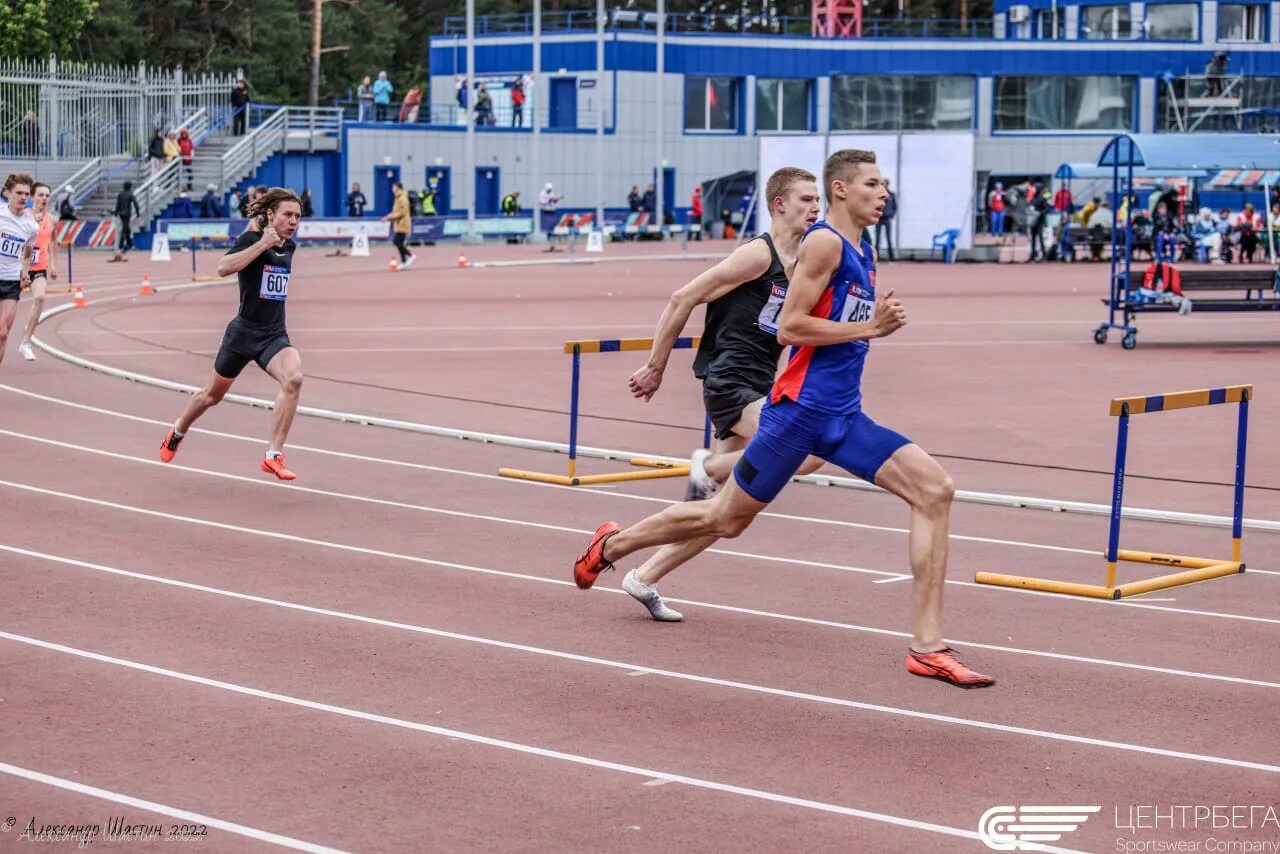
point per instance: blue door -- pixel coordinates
(488, 194)
(383, 196)
(438, 177)
(564, 103)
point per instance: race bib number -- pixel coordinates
(768, 319)
(35, 256)
(275, 282)
(857, 310)
(11, 246)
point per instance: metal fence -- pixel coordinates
(78, 111)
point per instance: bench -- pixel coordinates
(1259, 285)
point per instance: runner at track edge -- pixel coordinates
(737, 360)
(17, 241)
(262, 258)
(828, 315)
(43, 266)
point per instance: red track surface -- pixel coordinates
(411, 604)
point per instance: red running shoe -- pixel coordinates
(944, 665)
(275, 466)
(169, 447)
(589, 565)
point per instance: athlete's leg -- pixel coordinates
(720, 464)
(39, 287)
(285, 368)
(202, 401)
(918, 479)
(8, 311)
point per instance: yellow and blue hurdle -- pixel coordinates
(655, 468)
(1192, 569)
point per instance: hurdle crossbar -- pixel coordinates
(655, 468)
(1190, 569)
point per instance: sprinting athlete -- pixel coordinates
(736, 361)
(43, 264)
(262, 258)
(17, 239)
(829, 315)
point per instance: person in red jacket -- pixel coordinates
(186, 149)
(696, 211)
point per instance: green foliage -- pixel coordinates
(41, 27)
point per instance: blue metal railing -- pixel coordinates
(687, 24)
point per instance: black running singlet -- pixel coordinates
(734, 347)
(264, 284)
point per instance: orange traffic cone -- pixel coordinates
(394, 266)
(79, 297)
(462, 260)
(146, 289)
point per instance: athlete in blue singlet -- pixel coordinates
(828, 314)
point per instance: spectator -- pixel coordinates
(1205, 231)
(67, 210)
(1062, 201)
(1089, 209)
(547, 203)
(1214, 70)
(1166, 231)
(155, 150)
(187, 150)
(696, 211)
(356, 201)
(1275, 230)
(364, 97)
(126, 210)
(240, 107)
(995, 210)
(429, 198)
(233, 205)
(308, 209)
(649, 203)
(382, 90)
(247, 199)
(634, 200)
(1172, 201)
(171, 149)
(885, 224)
(1039, 219)
(1248, 224)
(484, 106)
(209, 207)
(30, 135)
(411, 105)
(517, 102)
(182, 208)
(1100, 223)
(460, 95)
(511, 203)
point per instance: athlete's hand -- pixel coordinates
(644, 382)
(53, 275)
(25, 282)
(271, 237)
(889, 315)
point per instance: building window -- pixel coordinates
(782, 104)
(901, 103)
(1064, 103)
(710, 103)
(1240, 23)
(1046, 20)
(1105, 22)
(1259, 94)
(1172, 22)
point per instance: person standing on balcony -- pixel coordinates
(517, 102)
(382, 90)
(171, 149)
(155, 150)
(186, 150)
(240, 106)
(364, 97)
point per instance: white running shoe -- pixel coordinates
(24, 347)
(647, 595)
(701, 486)
(408, 262)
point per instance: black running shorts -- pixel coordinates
(10, 289)
(725, 401)
(246, 342)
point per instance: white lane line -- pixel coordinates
(503, 744)
(163, 809)
(257, 440)
(362, 330)
(544, 348)
(891, 580)
(1057, 656)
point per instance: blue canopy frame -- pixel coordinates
(1127, 155)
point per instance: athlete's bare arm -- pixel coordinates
(24, 277)
(816, 263)
(237, 261)
(749, 261)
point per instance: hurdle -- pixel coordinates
(655, 468)
(1191, 569)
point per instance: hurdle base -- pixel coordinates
(206, 278)
(1199, 569)
(592, 479)
(649, 462)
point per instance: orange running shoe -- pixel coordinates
(589, 565)
(275, 466)
(169, 447)
(944, 665)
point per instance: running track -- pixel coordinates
(389, 654)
